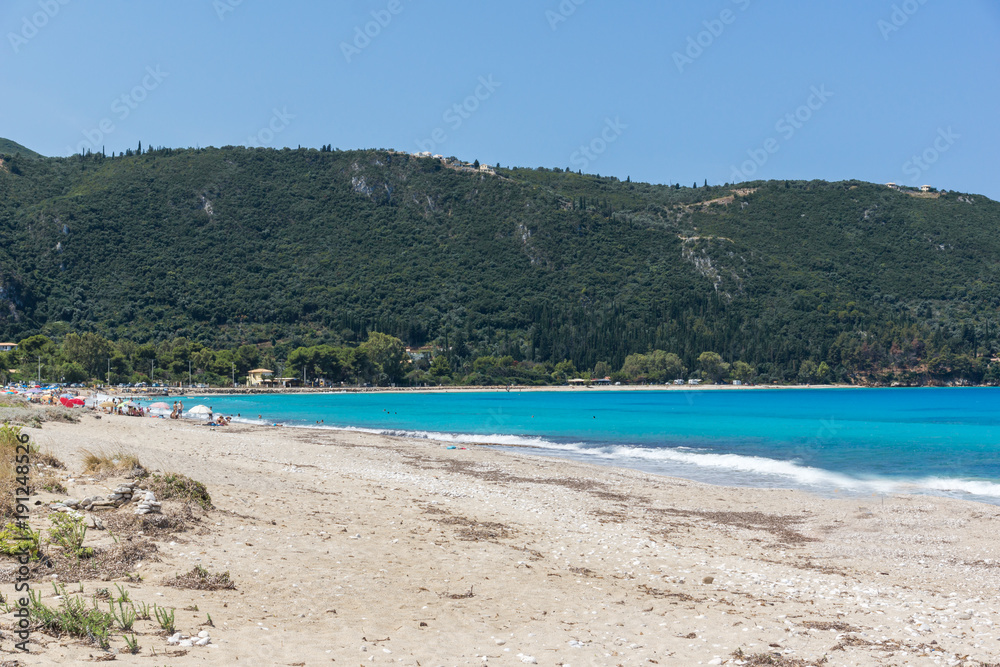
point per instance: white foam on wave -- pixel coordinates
(459, 438)
(732, 468)
(966, 486)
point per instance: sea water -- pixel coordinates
(861, 441)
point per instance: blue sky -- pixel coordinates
(722, 90)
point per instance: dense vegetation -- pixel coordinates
(503, 277)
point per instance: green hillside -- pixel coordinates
(239, 246)
(8, 147)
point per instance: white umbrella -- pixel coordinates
(200, 410)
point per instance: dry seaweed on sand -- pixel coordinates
(116, 561)
(773, 660)
(830, 625)
(202, 580)
(126, 525)
(459, 596)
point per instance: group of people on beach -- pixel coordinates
(119, 407)
(177, 411)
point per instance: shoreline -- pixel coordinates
(269, 391)
(349, 546)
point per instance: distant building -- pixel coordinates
(259, 377)
(8, 347)
(892, 185)
(925, 188)
(694, 381)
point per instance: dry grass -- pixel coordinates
(200, 579)
(104, 463)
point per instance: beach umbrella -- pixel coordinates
(160, 405)
(200, 410)
(77, 401)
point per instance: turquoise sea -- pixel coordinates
(937, 440)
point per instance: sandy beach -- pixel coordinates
(351, 548)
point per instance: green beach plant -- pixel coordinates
(165, 618)
(68, 532)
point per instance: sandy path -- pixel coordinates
(360, 549)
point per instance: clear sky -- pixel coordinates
(682, 91)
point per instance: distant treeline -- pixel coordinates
(383, 360)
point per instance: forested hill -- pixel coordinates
(234, 245)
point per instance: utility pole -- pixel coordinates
(234, 375)
(39, 369)
(151, 371)
(109, 371)
(189, 374)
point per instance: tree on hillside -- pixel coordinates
(88, 350)
(440, 370)
(712, 366)
(387, 354)
(742, 371)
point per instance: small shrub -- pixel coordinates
(174, 486)
(69, 532)
(15, 539)
(72, 617)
